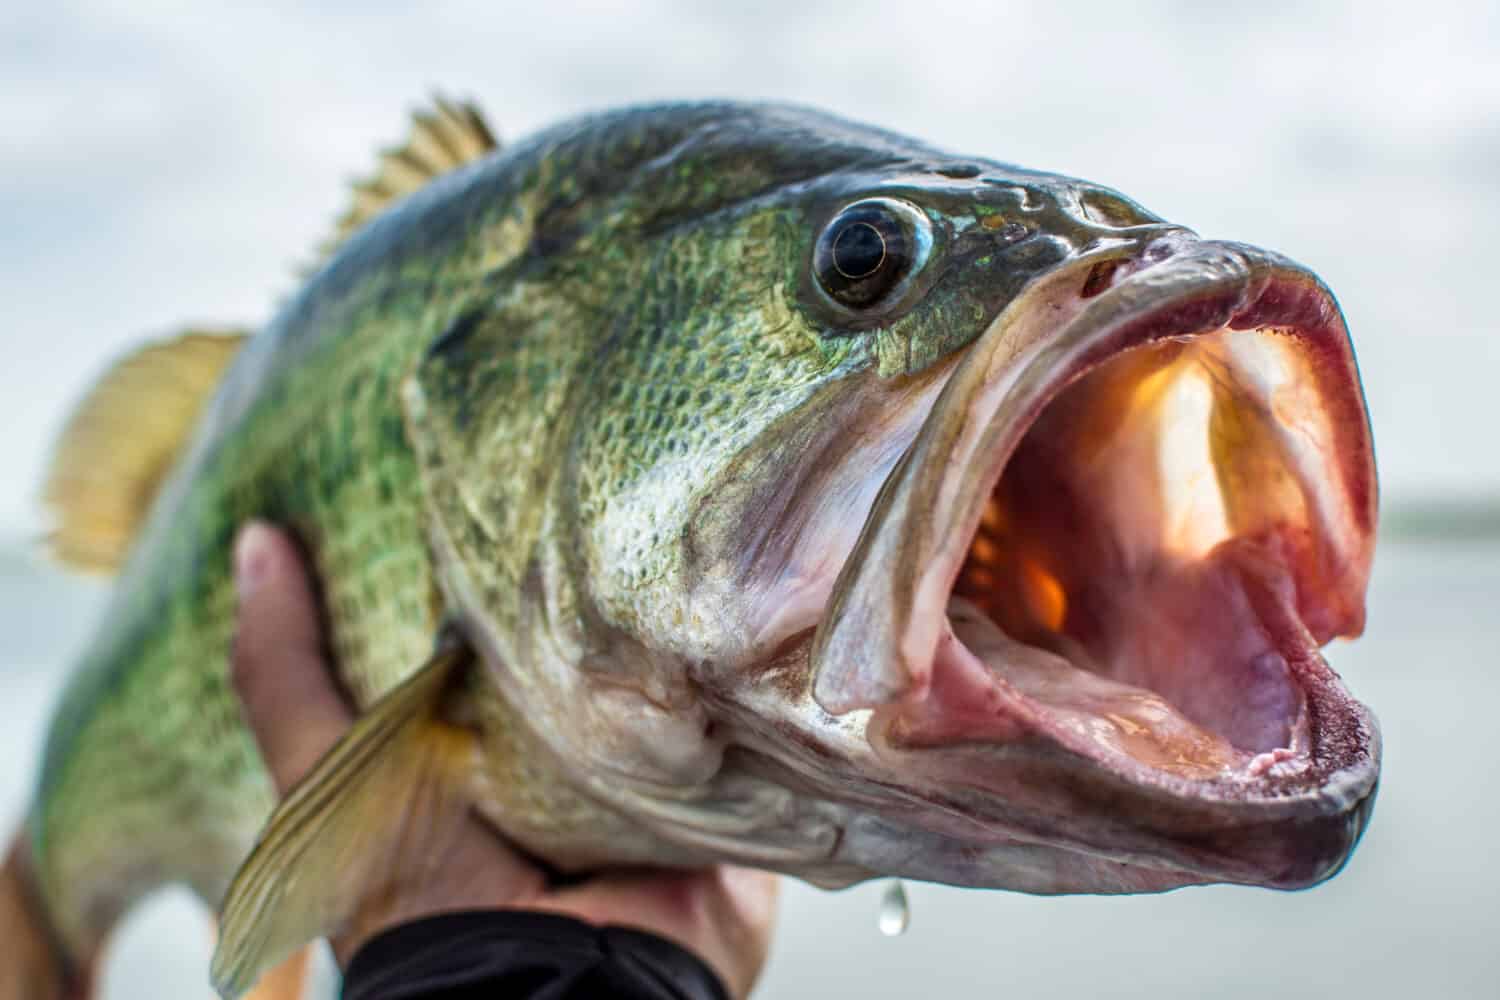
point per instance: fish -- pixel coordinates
(727, 482)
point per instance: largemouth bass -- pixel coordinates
(731, 482)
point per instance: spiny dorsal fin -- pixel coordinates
(122, 440)
(441, 139)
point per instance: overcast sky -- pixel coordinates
(164, 163)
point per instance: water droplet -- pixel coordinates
(895, 911)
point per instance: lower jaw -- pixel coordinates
(1083, 854)
(989, 688)
(1093, 806)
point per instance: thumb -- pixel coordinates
(278, 665)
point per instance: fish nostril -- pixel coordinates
(960, 171)
(1160, 250)
(1101, 276)
(1109, 209)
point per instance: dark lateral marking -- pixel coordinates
(551, 238)
(453, 339)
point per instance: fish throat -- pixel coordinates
(1134, 573)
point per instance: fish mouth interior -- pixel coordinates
(1143, 573)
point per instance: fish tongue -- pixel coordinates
(990, 688)
(1033, 671)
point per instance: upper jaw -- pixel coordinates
(963, 728)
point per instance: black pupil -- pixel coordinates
(863, 254)
(859, 251)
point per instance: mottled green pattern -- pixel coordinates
(149, 750)
(150, 776)
(598, 332)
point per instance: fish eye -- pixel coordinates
(868, 252)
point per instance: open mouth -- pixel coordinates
(1134, 575)
(1111, 559)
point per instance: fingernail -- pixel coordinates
(252, 557)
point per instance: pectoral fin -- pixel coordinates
(381, 802)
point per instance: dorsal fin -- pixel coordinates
(443, 138)
(122, 440)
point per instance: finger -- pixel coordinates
(737, 938)
(477, 872)
(278, 667)
(723, 914)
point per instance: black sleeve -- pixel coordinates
(537, 956)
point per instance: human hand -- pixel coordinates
(280, 670)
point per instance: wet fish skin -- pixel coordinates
(571, 400)
(523, 257)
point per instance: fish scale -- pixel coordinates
(168, 717)
(149, 740)
(637, 516)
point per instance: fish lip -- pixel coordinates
(1278, 834)
(915, 540)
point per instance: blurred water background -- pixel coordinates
(163, 163)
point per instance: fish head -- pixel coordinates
(966, 523)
